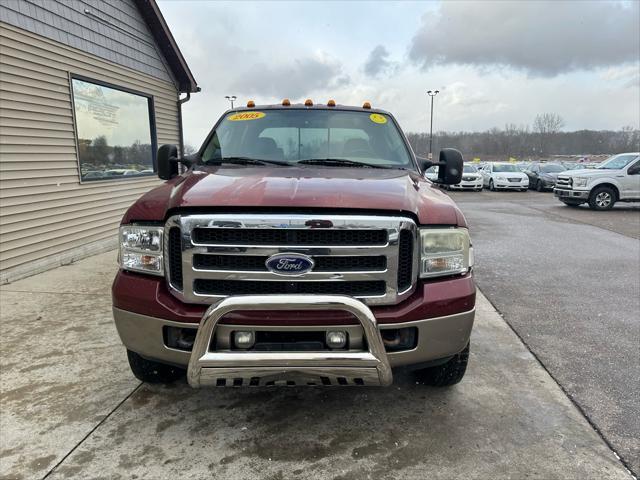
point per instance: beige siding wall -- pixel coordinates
(45, 212)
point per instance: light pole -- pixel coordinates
(231, 98)
(431, 93)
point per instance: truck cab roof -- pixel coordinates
(299, 106)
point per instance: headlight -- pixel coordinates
(141, 249)
(580, 181)
(444, 251)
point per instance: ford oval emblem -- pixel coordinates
(289, 264)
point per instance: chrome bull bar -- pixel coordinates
(247, 368)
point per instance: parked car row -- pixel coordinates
(617, 179)
(114, 173)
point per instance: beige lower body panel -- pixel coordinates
(438, 337)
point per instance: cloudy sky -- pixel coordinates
(495, 62)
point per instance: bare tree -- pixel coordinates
(522, 143)
(546, 126)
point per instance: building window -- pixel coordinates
(115, 131)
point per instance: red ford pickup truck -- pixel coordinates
(301, 245)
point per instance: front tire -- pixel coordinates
(448, 373)
(539, 186)
(152, 372)
(492, 187)
(602, 198)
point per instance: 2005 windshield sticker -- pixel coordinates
(377, 118)
(242, 116)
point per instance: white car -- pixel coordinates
(617, 179)
(471, 180)
(504, 176)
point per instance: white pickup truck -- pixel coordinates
(617, 179)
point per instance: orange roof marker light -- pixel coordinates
(366, 105)
(308, 102)
(331, 103)
(251, 104)
(286, 102)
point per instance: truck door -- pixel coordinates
(631, 182)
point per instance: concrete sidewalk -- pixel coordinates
(71, 408)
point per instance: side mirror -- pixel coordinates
(450, 166)
(167, 162)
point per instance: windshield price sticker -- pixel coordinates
(377, 118)
(242, 116)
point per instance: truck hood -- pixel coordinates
(229, 188)
(591, 172)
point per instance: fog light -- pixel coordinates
(337, 339)
(243, 339)
(398, 339)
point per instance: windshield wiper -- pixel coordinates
(246, 161)
(342, 162)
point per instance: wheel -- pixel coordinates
(571, 204)
(602, 198)
(152, 372)
(492, 186)
(539, 186)
(446, 374)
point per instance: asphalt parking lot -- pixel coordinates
(72, 409)
(568, 281)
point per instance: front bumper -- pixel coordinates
(367, 367)
(571, 194)
(468, 185)
(507, 185)
(437, 338)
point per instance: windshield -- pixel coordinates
(553, 168)
(469, 169)
(295, 135)
(618, 161)
(508, 167)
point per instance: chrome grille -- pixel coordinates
(174, 255)
(368, 257)
(563, 182)
(252, 287)
(251, 263)
(285, 237)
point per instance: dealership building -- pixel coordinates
(88, 90)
